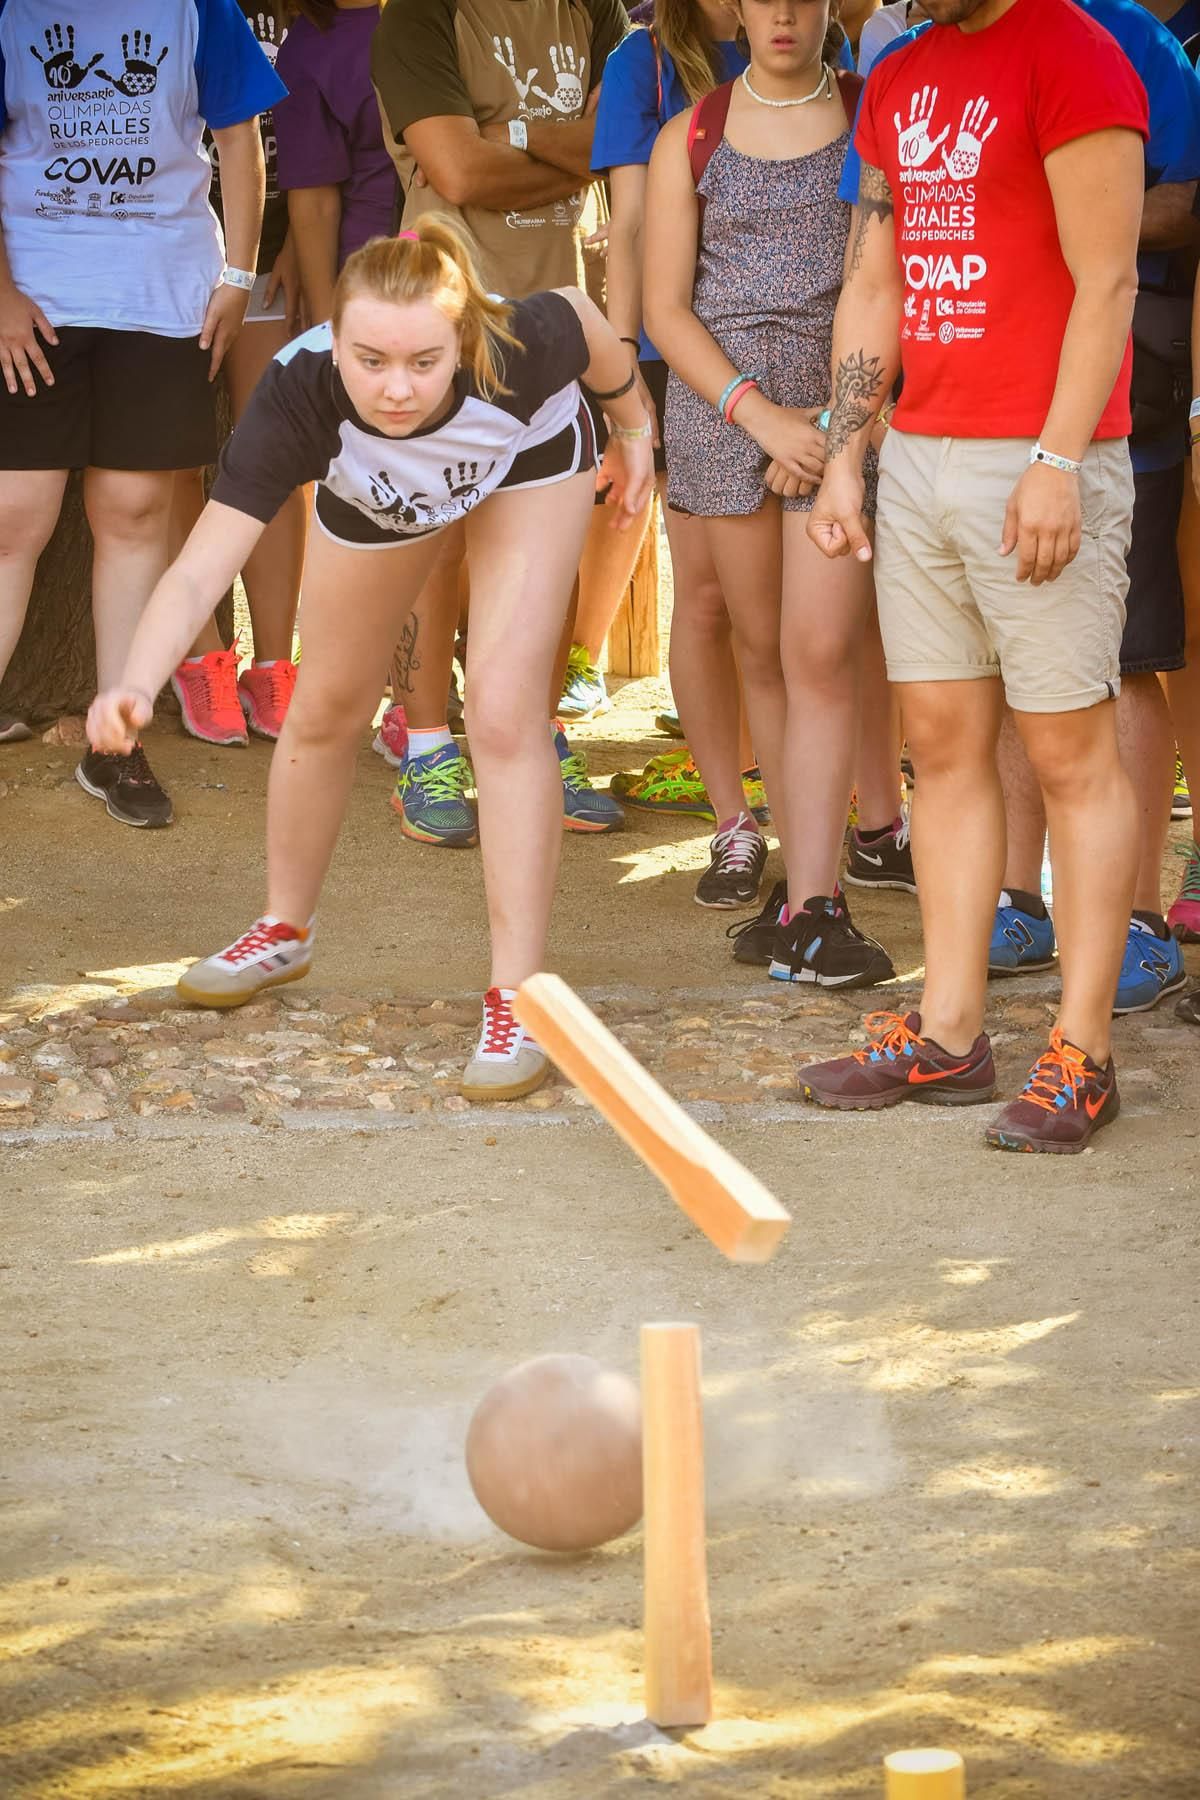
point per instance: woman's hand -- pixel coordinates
(116, 718)
(628, 467)
(285, 276)
(788, 487)
(21, 321)
(222, 322)
(788, 434)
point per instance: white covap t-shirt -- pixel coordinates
(104, 178)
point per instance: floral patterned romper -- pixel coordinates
(772, 242)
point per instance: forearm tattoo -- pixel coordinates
(406, 663)
(874, 202)
(856, 382)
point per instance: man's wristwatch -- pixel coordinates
(518, 134)
(238, 278)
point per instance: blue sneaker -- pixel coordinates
(1151, 967)
(1020, 942)
(431, 798)
(585, 808)
(584, 694)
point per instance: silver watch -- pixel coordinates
(518, 134)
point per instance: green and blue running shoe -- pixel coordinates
(1181, 799)
(431, 799)
(585, 808)
(584, 694)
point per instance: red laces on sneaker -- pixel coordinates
(260, 937)
(500, 1029)
(1059, 1069)
(888, 1032)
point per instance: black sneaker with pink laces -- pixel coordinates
(128, 787)
(734, 874)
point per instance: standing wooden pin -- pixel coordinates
(678, 1636)
(925, 1775)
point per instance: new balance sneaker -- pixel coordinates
(584, 694)
(1181, 799)
(1184, 916)
(1067, 1098)
(265, 692)
(207, 692)
(268, 955)
(507, 1062)
(753, 939)
(1021, 941)
(585, 808)
(734, 874)
(1151, 968)
(13, 731)
(391, 740)
(820, 944)
(882, 859)
(431, 799)
(899, 1064)
(128, 788)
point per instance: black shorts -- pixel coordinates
(1155, 628)
(570, 452)
(120, 400)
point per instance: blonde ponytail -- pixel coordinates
(434, 262)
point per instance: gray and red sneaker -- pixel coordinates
(899, 1064)
(266, 956)
(1067, 1098)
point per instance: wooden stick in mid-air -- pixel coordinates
(678, 1636)
(925, 1775)
(727, 1202)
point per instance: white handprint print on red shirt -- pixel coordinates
(915, 145)
(962, 162)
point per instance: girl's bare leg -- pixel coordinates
(747, 554)
(704, 676)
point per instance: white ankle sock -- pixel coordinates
(267, 662)
(420, 743)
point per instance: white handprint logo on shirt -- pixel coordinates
(264, 28)
(568, 80)
(962, 162)
(506, 56)
(915, 145)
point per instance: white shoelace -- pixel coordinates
(737, 847)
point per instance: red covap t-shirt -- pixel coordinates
(959, 123)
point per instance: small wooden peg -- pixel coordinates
(678, 1634)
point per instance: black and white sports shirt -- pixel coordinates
(376, 491)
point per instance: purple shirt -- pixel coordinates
(328, 131)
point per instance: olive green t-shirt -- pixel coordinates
(495, 60)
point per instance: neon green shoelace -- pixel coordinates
(446, 781)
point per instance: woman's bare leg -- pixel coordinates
(747, 554)
(704, 676)
(524, 549)
(353, 602)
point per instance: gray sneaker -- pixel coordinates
(507, 1063)
(266, 956)
(14, 731)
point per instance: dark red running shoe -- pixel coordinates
(899, 1064)
(1067, 1098)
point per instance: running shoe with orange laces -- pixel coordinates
(899, 1064)
(265, 691)
(206, 688)
(266, 956)
(1067, 1098)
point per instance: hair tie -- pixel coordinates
(409, 234)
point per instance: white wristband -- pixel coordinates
(1066, 463)
(238, 278)
(1194, 410)
(518, 134)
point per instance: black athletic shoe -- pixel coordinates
(754, 939)
(734, 875)
(883, 862)
(1188, 1009)
(127, 786)
(822, 945)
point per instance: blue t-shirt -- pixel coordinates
(1172, 150)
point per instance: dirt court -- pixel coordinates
(245, 1315)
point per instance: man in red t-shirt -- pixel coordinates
(994, 257)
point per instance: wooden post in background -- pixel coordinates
(634, 646)
(678, 1636)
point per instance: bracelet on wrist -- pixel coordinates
(518, 134)
(730, 389)
(616, 393)
(744, 386)
(1194, 409)
(631, 433)
(238, 278)
(636, 342)
(1067, 464)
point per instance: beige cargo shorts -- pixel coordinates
(951, 607)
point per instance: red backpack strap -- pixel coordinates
(850, 87)
(706, 128)
(657, 48)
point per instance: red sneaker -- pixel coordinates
(391, 740)
(207, 692)
(265, 692)
(899, 1064)
(1067, 1098)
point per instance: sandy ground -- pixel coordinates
(951, 1428)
